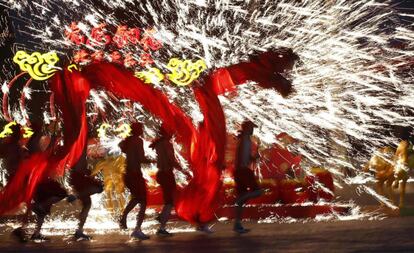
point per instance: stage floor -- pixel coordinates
(388, 235)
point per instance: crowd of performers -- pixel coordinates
(83, 184)
(391, 167)
(39, 174)
(32, 176)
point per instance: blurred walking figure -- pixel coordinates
(85, 185)
(49, 191)
(166, 163)
(12, 153)
(133, 147)
(246, 184)
(403, 163)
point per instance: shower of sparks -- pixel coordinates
(352, 83)
(101, 221)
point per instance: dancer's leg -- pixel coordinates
(131, 204)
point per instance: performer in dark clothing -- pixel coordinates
(133, 147)
(166, 163)
(84, 185)
(246, 184)
(48, 192)
(12, 153)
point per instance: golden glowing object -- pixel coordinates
(152, 75)
(183, 72)
(102, 130)
(28, 132)
(124, 130)
(39, 66)
(391, 169)
(113, 169)
(72, 66)
(7, 131)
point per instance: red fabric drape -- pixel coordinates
(71, 92)
(203, 146)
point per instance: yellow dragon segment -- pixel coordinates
(102, 130)
(7, 131)
(39, 66)
(152, 75)
(28, 132)
(183, 72)
(123, 130)
(72, 66)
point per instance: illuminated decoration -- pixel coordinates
(72, 66)
(148, 42)
(28, 132)
(74, 34)
(129, 60)
(145, 59)
(39, 66)
(7, 131)
(121, 36)
(133, 35)
(99, 37)
(81, 56)
(98, 55)
(102, 130)
(124, 130)
(125, 35)
(152, 75)
(183, 72)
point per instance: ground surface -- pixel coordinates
(389, 235)
(393, 234)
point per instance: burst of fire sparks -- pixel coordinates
(351, 82)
